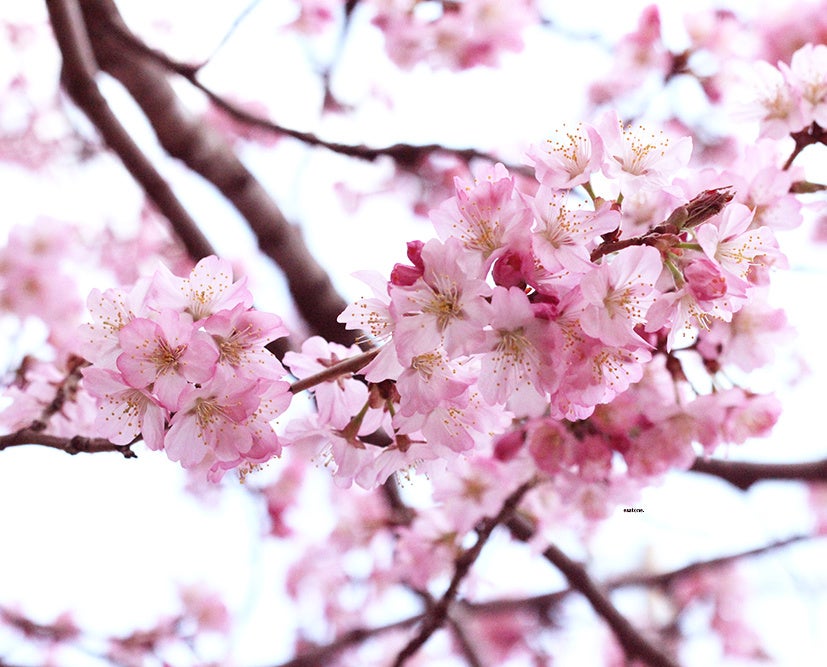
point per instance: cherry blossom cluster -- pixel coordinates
(538, 305)
(181, 363)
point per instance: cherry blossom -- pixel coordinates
(569, 158)
(641, 158)
(618, 295)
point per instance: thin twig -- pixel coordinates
(634, 644)
(349, 365)
(743, 474)
(407, 156)
(322, 655)
(438, 613)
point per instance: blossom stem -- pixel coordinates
(349, 365)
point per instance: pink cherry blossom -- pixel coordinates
(734, 245)
(211, 421)
(125, 412)
(618, 295)
(111, 310)
(338, 399)
(517, 369)
(240, 335)
(485, 214)
(430, 379)
(445, 307)
(208, 289)
(772, 101)
(808, 74)
(166, 355)
(640, 158)
(562, 235)
(568, 158)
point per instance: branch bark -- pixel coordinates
(437, 615)
(78, 76)
(634, 644)
(743, 475)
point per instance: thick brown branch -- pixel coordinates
(205, 151)
(633, 643)
(437, 615)
(743, 475)
(74, 445)
(78, 75)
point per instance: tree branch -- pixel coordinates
(633, 643)
(438, 614)
(349, 365)
(321, 655)
(743, 475)
(205, 151)
(78, 76)
(407, 156)
(74, 445)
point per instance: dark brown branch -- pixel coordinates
(633, 643)
(78, 76)
(74, 445)
(468, 650)
(323, 655)
(812, 134)
(743, 475)
(407, 156)
(437, 615)
(206, 152)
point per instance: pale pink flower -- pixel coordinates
(485, 214)
(111, 310)
(208, 289)
(808, 74)
(519, 367)
(772, 101)
(430, 379)
(640, 158)
(730, 241)
(165, 355)
(445, 307)
(124, 412)
(562, 236)
(211, 420)
(594, 373)
(372, 316)
(751, 340)
(460, 423)
(319, 442)
(241, 335)
(551, 445)
(568, 158)
(273, 399)
(618, 295)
